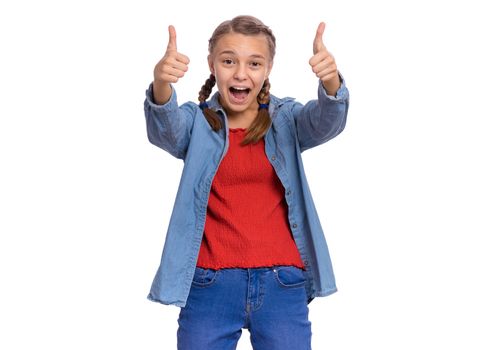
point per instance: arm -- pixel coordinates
(168, 126)
(321, 120)
(168, 70)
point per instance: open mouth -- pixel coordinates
(239, 93)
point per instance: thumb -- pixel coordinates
(172, 38)
(318, 42)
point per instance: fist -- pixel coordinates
(323, 63)
(173, 65)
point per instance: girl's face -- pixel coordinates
(241, 64)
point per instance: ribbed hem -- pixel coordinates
(248, 266)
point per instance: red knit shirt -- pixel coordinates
(247, 215)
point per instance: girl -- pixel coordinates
(244, 247)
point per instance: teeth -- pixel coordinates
(240, 88)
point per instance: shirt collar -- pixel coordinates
(274, 103)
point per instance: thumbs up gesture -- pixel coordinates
(173, 65)
(169, 69)
(323, 63)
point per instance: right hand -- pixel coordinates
(173, 65)
(323, 63)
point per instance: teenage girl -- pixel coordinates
(244, 246)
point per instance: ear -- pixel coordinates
(210, 64)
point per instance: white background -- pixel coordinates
(403, 193)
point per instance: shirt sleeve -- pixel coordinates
(319, 121)
(342, 93)
(168, 126)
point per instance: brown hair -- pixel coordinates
(246, 25)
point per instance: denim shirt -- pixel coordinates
(184, 132)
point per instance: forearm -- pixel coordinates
(161, 92)
(322, 119)
(332, 86)
(167, 124)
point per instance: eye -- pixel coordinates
(255, 64)
(227, 61)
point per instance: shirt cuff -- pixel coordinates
(342, 93)
(167, 106)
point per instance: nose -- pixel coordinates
(240, 72)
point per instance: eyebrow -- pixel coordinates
(229, 52)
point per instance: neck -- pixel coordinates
(242, 119)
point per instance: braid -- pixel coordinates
(262, 122)
(207, 88)
(210, 115)
(263, 97)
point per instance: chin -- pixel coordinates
(238, 108)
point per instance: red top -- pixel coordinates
(247, 216)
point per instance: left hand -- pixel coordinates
(323, 63)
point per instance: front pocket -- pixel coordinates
(290, 276)
(204, 277)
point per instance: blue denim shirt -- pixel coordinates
(185, 133)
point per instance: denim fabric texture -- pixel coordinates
(270, 302)
(184, 132)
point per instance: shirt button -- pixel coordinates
(295, 225)
(288, 192)
(273, 157)
(306, 262)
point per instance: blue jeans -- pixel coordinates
(270, 302)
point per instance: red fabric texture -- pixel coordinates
(247, 215)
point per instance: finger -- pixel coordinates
(318, 57)
(175, 72)
(176, 64)
(318, 42)
(172, 38)
(320, 67)
(327, 74)
(182, 58)
(330, 78)
(169, 78)
(323, 64)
